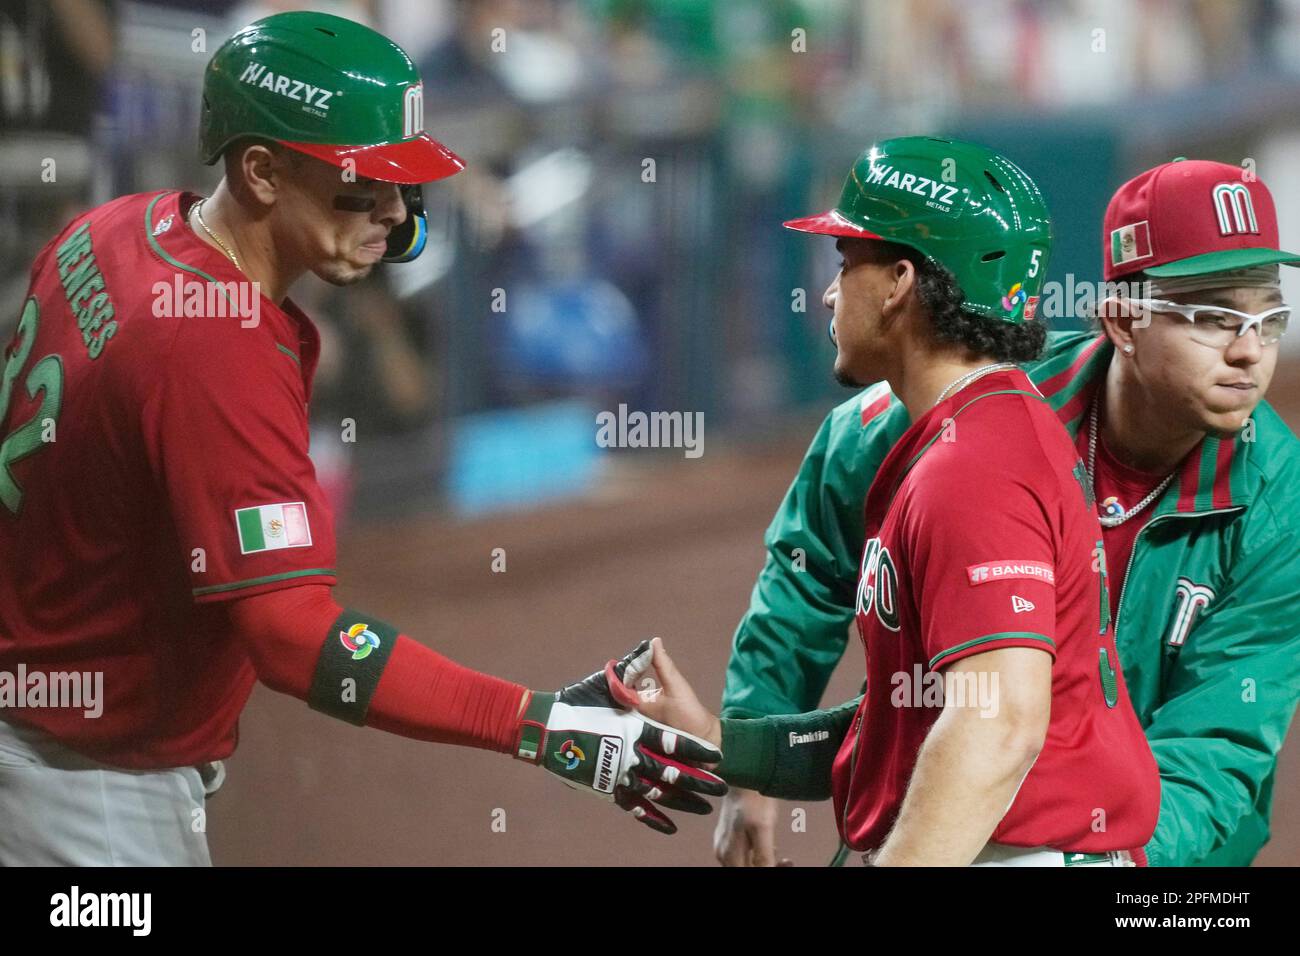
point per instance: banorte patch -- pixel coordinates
(1008, 570)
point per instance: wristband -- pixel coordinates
(788, 756)
(532, 727)
(748, 752)
(351, 661)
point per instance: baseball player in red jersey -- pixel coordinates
(981, 563)
(161, 528)
(995, 727)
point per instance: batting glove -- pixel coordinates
(584, 735)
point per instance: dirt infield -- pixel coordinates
(670, 550)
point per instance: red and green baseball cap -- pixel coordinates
(325, 86)
(1190, 217)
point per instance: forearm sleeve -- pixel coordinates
(787, 756)
(417, 692)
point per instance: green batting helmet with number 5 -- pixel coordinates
(967, 208)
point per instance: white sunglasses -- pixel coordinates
(1214, 324)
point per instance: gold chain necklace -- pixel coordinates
(198, 214)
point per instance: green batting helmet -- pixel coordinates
(333, 89)
(963, 206)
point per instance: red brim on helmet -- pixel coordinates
(830, 224)
(419, 160)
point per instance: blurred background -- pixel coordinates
(615, 240)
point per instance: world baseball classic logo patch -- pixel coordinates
(360, 640)
(570, 754)
(272, 527)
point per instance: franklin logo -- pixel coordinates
(809, 738)
(939, 195)
(315, 99)
(607, 759)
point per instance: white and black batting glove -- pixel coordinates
(584, 735)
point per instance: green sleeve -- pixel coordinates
(1228, 700)
(787, 756)
(797, 625)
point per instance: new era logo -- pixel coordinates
(1019, 604)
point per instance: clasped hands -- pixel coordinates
(634, 733)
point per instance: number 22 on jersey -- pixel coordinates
(44, 379)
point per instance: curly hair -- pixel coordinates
(952, 325)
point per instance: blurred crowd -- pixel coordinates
(616, 235)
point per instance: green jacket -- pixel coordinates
(1208, 626)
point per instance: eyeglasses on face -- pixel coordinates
(1218, 326)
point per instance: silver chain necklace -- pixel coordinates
(969, 377)
(1111, 521)
(198, 214)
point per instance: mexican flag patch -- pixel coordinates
(271, 527)
(1130, 243)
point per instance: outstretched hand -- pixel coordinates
(584, 735)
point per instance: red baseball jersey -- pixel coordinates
(153, 414)
(980, 536)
